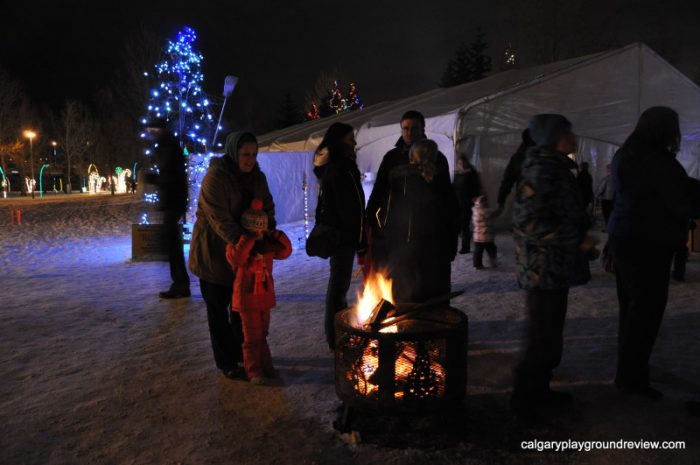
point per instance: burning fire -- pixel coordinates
(377, 287)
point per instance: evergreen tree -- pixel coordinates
(290, 114)
(470, 63)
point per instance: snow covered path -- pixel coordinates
(94, 368)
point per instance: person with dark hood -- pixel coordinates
(511, 175)
(467, 186)
(549, 225)
(228, 188)
(341, 204)
(412, 130)
(171, 183)
(654, 200)
(418, 223)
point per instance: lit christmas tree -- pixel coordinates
(177, 97)
(335, 102)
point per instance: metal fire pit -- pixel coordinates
(417, 365)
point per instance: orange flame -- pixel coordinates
(377, 287)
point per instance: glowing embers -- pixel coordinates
(418, 373)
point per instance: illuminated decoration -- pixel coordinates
(336, 102)
(314, 113)
(30, 183)
(509, 57)
(5, 184)
(122, 176)
(41, 184)
(177, 97)
(305, 188)
(94, 184)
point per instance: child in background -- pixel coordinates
(253, 288)
(483, 233)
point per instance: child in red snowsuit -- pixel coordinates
(253, 287)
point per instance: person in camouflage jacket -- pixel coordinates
(549, 227)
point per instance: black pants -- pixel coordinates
(546, 313)
(465, 225)
(479, 247)
(642, 293)
(338, 285)
(225, 327)
(172, 238)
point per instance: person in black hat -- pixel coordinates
(171, 182)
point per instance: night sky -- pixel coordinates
(390, 49)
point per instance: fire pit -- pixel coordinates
(404, 358)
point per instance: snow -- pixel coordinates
(95, 369)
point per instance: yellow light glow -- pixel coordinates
(29, 134)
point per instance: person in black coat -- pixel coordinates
(412, 130)
(654, 198)
(341, 204)
(171, 182)
(419, 227)
(511, 175)
(467, 186)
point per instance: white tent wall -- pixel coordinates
(285, 172)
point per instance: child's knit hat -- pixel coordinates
(255, 219)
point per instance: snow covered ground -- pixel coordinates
(95, 369)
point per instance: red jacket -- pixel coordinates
(254, 288)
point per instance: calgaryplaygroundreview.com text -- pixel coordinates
(587, 446)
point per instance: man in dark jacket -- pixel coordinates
(171, 181)
(549, 225)
(511, 176)
(585, 184)
(654, 198)
(412, 130)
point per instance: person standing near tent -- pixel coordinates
(412, 125)
(654, 198)
(171, 182)
(341, 205)
(228, 188)
(467, 186)
(511, 176)
(419, 228)
(549, 226)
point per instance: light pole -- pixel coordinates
(31, 135)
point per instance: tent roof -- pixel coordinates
(606, 67)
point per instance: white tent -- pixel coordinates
(602, 94)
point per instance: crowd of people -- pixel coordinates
(409, 229)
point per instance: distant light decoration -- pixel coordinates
(509, 57)
(177, 96)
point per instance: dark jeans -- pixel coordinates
(338, 285)
(479, 247)
(224, 325)
(642, 292)
(546, 314)
(172, 238)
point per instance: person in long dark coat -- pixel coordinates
(412, 130)
(231, 183)
(419, 227)
(585, 184)
(341, 205)
(549, 225)
(654, 199)
(467, 186)
(171, 182)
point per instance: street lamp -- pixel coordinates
(229, 84)
(31, 135)
(53, 142)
